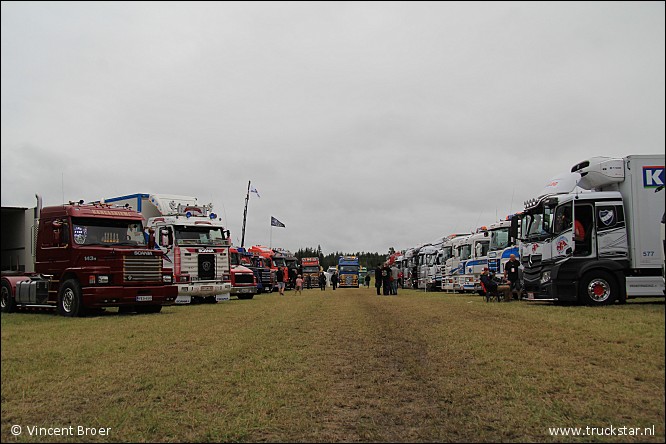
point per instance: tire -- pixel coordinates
(8, 303)
(70, 299)
(210, 300)
(598, 288)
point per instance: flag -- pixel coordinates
(276, 223)
(254, 190)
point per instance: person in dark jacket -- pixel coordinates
(386, 279)
(334, 280)
(378, 279)
(489, 284)
(322, 281)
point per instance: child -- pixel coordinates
(299, 285)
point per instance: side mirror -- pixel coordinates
(513, 230)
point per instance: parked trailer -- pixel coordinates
(470, 276)
(311, 271)
(615, 255)
(243, 280)
(460, 249)
(78, 257)
(348, 269)
(193, 239)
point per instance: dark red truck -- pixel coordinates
(78, 257)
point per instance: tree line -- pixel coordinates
(367, 259)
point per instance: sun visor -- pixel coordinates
(562, 184)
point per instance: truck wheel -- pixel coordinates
(598, 288)
(70, 301)
(8, 304)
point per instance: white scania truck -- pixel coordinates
(193, 239)
(592, 235)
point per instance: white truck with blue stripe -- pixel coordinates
(460, 249)
(502, 246)
(478, 260)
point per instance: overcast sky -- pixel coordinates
(363, 126)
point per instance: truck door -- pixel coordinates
(584, 230)
(563, 231)
(54, 245)
(611, 230)
(165, 242)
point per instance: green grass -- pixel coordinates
(338, 366)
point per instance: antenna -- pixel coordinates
(62, 179)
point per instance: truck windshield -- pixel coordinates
(279, 262)
(199, 235)
(464, 252)
(538, 225)
(235, 259)
(499, 239)
(108, 232)
(445, 253)
(310, 269)
(481, 248)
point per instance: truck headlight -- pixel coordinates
(102, 279)
(167, 278)
(545, 277)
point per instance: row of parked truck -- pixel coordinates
(617, 252)
(137, 252)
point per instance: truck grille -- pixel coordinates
(206, 266)
(532, 271)
(142, 269)
(266, 276)
(244, 278)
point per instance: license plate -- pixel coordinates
(144, 298)
(206, 287)
(530, 295)
(222, 297)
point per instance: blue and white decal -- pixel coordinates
(653, 176)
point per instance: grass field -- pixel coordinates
(338, 366)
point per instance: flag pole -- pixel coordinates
(247, 198)
(270, 245)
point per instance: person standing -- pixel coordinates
(386, 280)
(299, 285)
(367, 280)
(322, 281)
(511, 275)
(280, 281)
(378, 279)
(334, 280)
(395, 276)
(308, 281)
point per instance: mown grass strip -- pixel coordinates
(338, 366)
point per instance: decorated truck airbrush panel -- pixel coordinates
(85, 257)
(310, 271)
(193, 239)
(348, 271)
